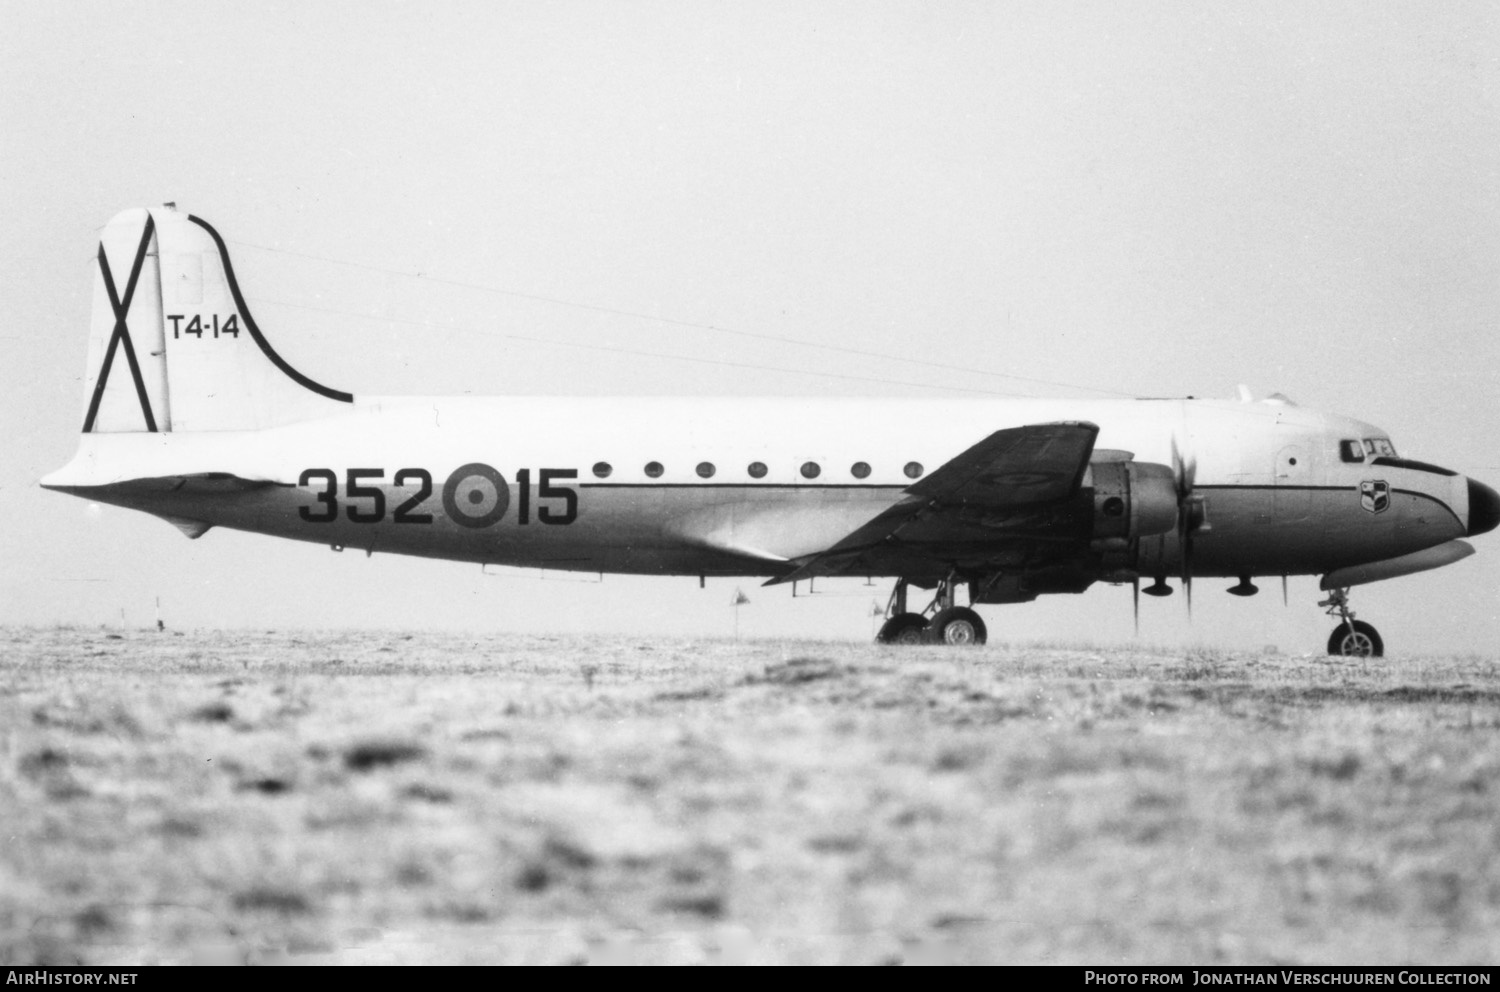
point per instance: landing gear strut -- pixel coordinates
(950, 624)
(900, 626)
(1352, 638)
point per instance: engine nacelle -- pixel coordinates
(1023, 587)
(1132, 500)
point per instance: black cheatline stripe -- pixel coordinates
(1412, 492)
(733, 485)
(260, 339)
(1313, 489)
(121, 332)
(1414, 466)
(1345, 489)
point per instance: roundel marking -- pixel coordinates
(475, 496)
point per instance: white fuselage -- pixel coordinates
(1279, 498)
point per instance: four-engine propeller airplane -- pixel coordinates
(190, 414)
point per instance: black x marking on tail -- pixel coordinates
(121, 307)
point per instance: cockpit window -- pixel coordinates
(1380, 447)
(1351, 451)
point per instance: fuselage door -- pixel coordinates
(1293, 478)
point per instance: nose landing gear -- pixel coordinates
(1351, 638)
(950, 624)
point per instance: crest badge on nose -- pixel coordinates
(1375, 496)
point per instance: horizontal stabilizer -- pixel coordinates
(219, 482)
(201, 483)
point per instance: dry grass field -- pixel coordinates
(375, 798)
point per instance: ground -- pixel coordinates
(381, 797)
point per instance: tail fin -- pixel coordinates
(172, 345)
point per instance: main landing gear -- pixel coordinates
(1353, 638)
(950, 624)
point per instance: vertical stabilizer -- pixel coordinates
(173, 346)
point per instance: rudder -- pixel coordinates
(127, 289)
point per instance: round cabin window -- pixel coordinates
(757, 470)
(913, 470)
(860, 470)
(705, 470)
(654, 470)
(602, 469)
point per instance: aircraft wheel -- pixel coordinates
(903, 628)
(1356, 639)
(957, 625)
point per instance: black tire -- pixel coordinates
(958, 626)
(903, 628)
(1361, 642)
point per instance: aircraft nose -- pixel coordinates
(1484, 508)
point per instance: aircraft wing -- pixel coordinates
(1009, 478)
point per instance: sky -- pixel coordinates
(881, 199)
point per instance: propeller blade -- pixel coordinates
(1185, 536)
(1187, 575)
(1135, 602)
(1283, 591)
(1184, 472)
